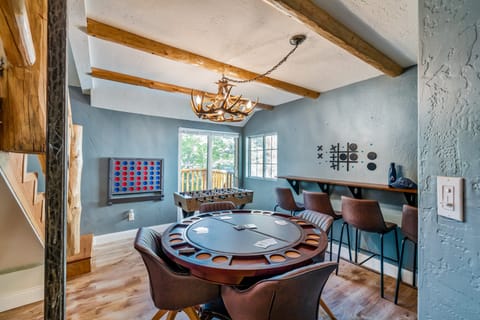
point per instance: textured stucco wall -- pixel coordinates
(379, 115)
(108, 134)
(449, 129)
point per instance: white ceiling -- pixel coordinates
(249, 34)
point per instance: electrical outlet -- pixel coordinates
(450, 197)
(131, 215)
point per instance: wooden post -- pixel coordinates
(56, 176)
(74, 209)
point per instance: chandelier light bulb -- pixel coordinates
(198, 99)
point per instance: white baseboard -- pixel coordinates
(389, 268)
(116, 236)
(17, 289)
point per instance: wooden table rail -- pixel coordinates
(354, 187)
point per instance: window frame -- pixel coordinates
(210, 134)
(248, 171)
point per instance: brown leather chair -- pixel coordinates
(216, 206)
(320, 202)
(324, 222)
(172, 288)
(410, 232)
(286, 201)
(294, 295)
(365, 215)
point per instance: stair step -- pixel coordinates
(30, 176)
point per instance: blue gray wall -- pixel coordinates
(108, 134)
(378, 115)
(449, 130)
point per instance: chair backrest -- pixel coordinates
(363, 214)
(293, 295)
(410, 222)
(318, 201)
(285, 199)
(323, 221)
(171, 287)
(216, 206)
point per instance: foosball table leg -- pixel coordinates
(187, 214)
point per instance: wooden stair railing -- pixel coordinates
(24, 185)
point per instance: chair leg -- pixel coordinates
(349, 246)
(340, 248)
(381, 266)
(327, 309)
(414, 262)
(191, 313)
(172, 314)
(159, 314)
(331, 242)
(399, 273)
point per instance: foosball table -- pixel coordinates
(190, 201)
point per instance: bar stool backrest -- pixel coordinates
(410, 222)
(363, 214)
(318, 201)
(285, 199)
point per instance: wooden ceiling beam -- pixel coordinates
(317, 19)
(16, 33)
(126, 38)
(152, 84)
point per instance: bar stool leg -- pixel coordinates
(357, 234)
(396, 243)
(414, 262)
(348, 241)
(381, 266)
(340, 248)
(399, 273)
(331, 242)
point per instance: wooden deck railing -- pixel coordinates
(196, 179)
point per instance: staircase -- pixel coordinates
(22, 229)
(24, 186)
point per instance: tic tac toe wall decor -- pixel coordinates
(134, 179)
(345, 156)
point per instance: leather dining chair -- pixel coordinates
(365, 215)
(323, 221)
(294, 295)
(216, 206)
(286, 201)
(409, 230)
(320, 202)
(172, 288)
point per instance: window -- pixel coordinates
(207, 159)
(262, 156)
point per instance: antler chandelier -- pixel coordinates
(225, 107)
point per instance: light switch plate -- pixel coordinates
(450, 197)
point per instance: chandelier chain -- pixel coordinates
(296, 44)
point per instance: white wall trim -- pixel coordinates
(122, 235)
(16, 291)
(390, 268)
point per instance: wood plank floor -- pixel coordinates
(117, 289)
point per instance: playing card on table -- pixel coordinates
(265, 243)
(201, 230)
